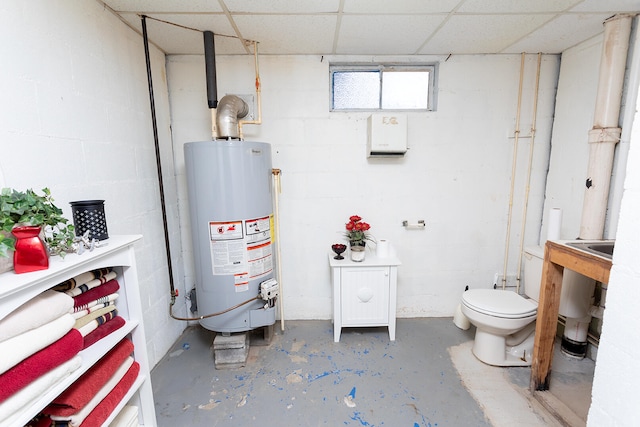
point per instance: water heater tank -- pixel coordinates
(231, 211)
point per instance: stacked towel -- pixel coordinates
(102, 404)
(128, 417)
(99, 294)
(40, 363)
(94, 307)
(103, 330)
(78, 395)
(12, 408)
(91, 284)
(81, 279)
(42, 309)
(16, 349)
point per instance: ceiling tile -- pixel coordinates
(289, 34)
(282, 6)
(406, 6)
(560, 34)
(385, 35)
(149, 6)
(608, 6)
(173, 39)
(482, 34)
(517, 7)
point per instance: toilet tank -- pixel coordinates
(533, 258)
(577, 290)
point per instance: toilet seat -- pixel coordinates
(499, 303)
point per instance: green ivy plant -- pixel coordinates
(29, 208)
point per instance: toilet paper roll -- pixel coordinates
(555, 224)
(382, 248)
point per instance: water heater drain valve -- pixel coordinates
(269, 291)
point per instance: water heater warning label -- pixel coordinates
(242, 246)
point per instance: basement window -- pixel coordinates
(382, 87)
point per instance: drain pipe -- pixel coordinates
(603, 138)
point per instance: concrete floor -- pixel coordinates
(428, 377)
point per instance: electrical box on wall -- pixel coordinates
(387, 135)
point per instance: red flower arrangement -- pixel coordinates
(357, 231)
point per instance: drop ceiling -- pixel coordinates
(370, 27)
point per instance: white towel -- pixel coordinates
(128, 417)
(16, 349)
(14, 407)
(42, 309)
(77, 418)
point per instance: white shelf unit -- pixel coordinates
(364, 293)
(17, 289)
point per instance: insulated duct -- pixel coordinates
(210, 64)
(230, 109)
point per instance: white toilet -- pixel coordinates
(504, 321)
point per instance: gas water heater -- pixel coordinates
(231, 210)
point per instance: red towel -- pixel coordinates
(74, 398)
(101, 412)
(103, 330)
(40, 363)
(110, 287)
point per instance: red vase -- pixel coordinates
(31, 253)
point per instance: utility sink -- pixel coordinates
(603, 248)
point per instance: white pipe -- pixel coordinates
(528, 179)
(603, 138)
(276, 177)
(258, 121)
(516, 133)
(605, 133)
(620, 167)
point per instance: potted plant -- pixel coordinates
(357, 234)
(19, 208)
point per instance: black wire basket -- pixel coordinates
(89, 215)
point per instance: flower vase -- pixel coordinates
(31, 253)
(357, 253)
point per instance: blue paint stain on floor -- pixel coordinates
(393, 384)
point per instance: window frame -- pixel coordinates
(432, 68)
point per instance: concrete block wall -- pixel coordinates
(615, 391)
(456, 175)
(75, 117)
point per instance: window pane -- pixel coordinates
(356, 89)
(405, 89)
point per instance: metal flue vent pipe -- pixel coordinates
(210, 64)
(230, 109)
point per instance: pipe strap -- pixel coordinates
(604, 135)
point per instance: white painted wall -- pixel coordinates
(615, 393)
(456, 175)
(75, 117)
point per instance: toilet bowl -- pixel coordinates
(504, 324)
(504, 320)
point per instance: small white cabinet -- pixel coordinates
(364, 293)
(17, 289)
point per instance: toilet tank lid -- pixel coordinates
(537, 251)
(501, 303)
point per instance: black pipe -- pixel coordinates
(154, 122)
(210, 64)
